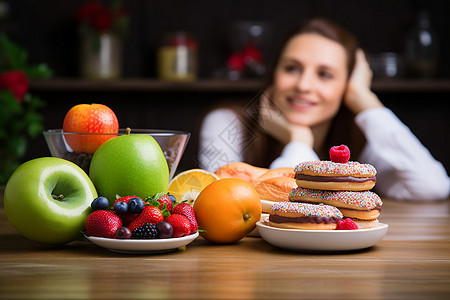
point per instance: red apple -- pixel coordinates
(89, 118)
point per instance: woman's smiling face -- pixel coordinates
(310, 79)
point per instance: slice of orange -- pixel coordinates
(188, 184)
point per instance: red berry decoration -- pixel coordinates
(346, 224)
(340, 154)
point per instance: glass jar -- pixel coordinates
(177, 57)
(422, 48)
(387, 65)
(100, 56)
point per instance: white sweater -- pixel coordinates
(405, 168)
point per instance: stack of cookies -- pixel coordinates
(340, 183)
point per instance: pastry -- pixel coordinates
(240, 170)
(364, 206)
(275, 185)
(328, 175)
(274, 189)
(304, 216)
(279, 172)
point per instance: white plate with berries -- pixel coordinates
(141, 246)
(137, 227)
(321, 240)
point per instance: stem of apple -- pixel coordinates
(128, 130)
(247, 217)
(59, 197)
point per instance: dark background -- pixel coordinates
(48, 28)
(49, 31)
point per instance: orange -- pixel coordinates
(89, 118)
(188, 184)
(227, 210)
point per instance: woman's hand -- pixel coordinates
(358, 96)
(275, 124)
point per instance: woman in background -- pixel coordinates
(318, 96)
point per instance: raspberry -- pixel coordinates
(340, 154)
(346, 224)
(146, 231)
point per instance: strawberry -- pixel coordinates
(346, 224)
(180, 224)
(165, 200)
(187, 210)
(127, 217)
(150, 214)
(124, 199)
(102, 223)
(340, 154)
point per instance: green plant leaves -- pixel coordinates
(20, 119)
(14, 57)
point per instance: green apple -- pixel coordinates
(129, 165)
(48, 199)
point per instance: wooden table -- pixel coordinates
(412, 262)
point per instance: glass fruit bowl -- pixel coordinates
(173, 143)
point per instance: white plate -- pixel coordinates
(321, 240)
(153, 246)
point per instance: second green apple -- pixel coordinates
(131, 164)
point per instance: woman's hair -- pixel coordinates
(328, 29)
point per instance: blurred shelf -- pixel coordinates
(215, 85)
(412, 85)
(146, 85)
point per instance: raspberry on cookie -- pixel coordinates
(339, 154)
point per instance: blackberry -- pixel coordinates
(146, 231)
